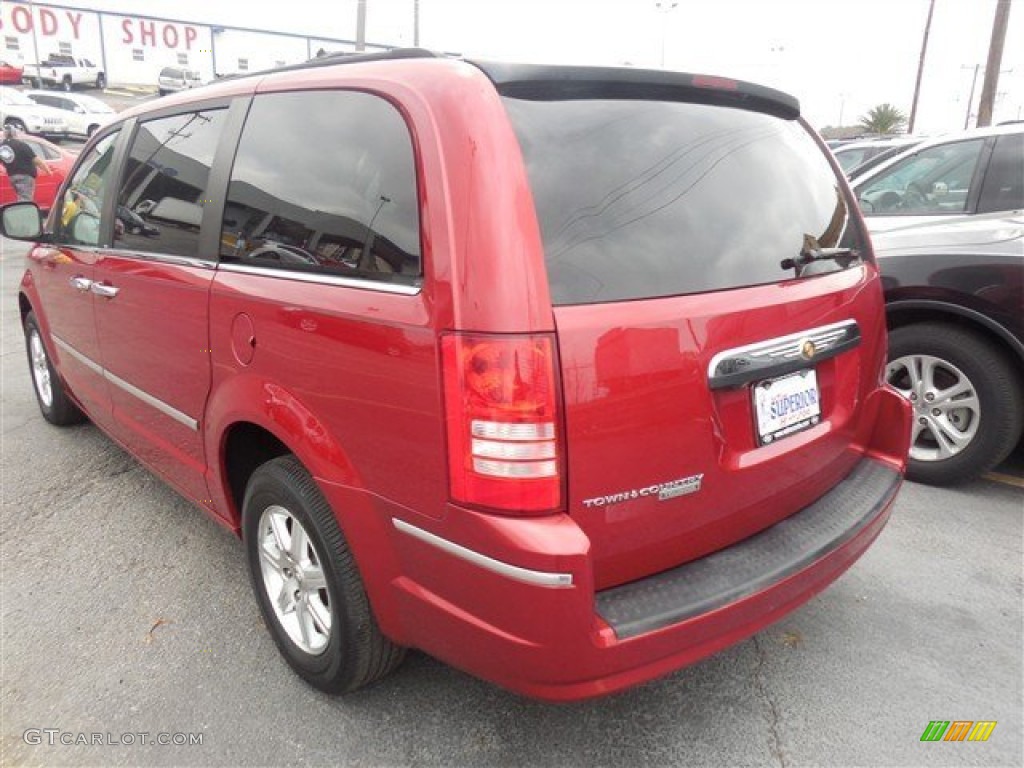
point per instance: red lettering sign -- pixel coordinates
(150, 33)
(75, 19)
(22, 19)
(147, 31)
(47, 21)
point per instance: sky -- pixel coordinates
(839, 57)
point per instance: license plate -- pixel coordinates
(786, 405)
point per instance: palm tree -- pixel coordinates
(884, 118)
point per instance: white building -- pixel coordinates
(132, 49)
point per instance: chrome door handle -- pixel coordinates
(104, 290)
(80, 283)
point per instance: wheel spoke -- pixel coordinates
(914, 371)
(313, 578)
(962, 387)
(299, 542)
(918, 429)
(285, 599)
(321, 615)
(279, 527)
(272, 555)
(949, 439)
(971, 404)
(302, 614)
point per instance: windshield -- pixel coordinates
(10, 96)
(638, 199)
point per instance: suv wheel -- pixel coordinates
(307, 584)
(57, 408)
(101, 81)
(968, 409)
(66, 84)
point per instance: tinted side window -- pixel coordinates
(1003, 188)
(164, 185)
(325, 182)
(82, 204)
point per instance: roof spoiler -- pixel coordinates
(543, 83)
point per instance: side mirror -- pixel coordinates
(21, 221)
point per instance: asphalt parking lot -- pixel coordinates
(127, 613)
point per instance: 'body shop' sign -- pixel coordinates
(47, 22)
(157, 33)
(67, 24)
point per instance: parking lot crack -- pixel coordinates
(773, 710)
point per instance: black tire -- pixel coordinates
(55, 405)
(356, 653)
(995, 382)
(163, 92)
(101, 81)
(91, 130)
(66, 84)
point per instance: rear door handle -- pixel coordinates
(80, 283)
(104, 290)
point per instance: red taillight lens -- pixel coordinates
(717, 83)
(501, 405)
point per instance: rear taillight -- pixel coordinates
(501, 403)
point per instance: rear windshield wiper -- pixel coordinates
(808, 255)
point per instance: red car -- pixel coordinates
(567, 376)
(60, 162)
(10, 74)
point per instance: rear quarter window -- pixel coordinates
(639, 199)
(325, 182)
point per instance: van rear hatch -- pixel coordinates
(719, 319)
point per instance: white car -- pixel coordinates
(19, 110)
(854, 155)
(84, 114)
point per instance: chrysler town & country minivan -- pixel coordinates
(569, 377)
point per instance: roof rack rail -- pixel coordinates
(344, 57)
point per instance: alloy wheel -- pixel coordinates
(294, 580)
(947, 409)
(40, 369)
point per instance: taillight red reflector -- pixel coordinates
(501, 406)
(719, 83)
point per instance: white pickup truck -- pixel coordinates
(60, 71)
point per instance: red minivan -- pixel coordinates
(569, 377)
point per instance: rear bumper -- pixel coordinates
(512, 600)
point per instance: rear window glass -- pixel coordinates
(639, 199)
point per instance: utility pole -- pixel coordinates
(920, 67)
(970, 99)
(665, 7)
(995, 58)
(361, 25)
(415, 23)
